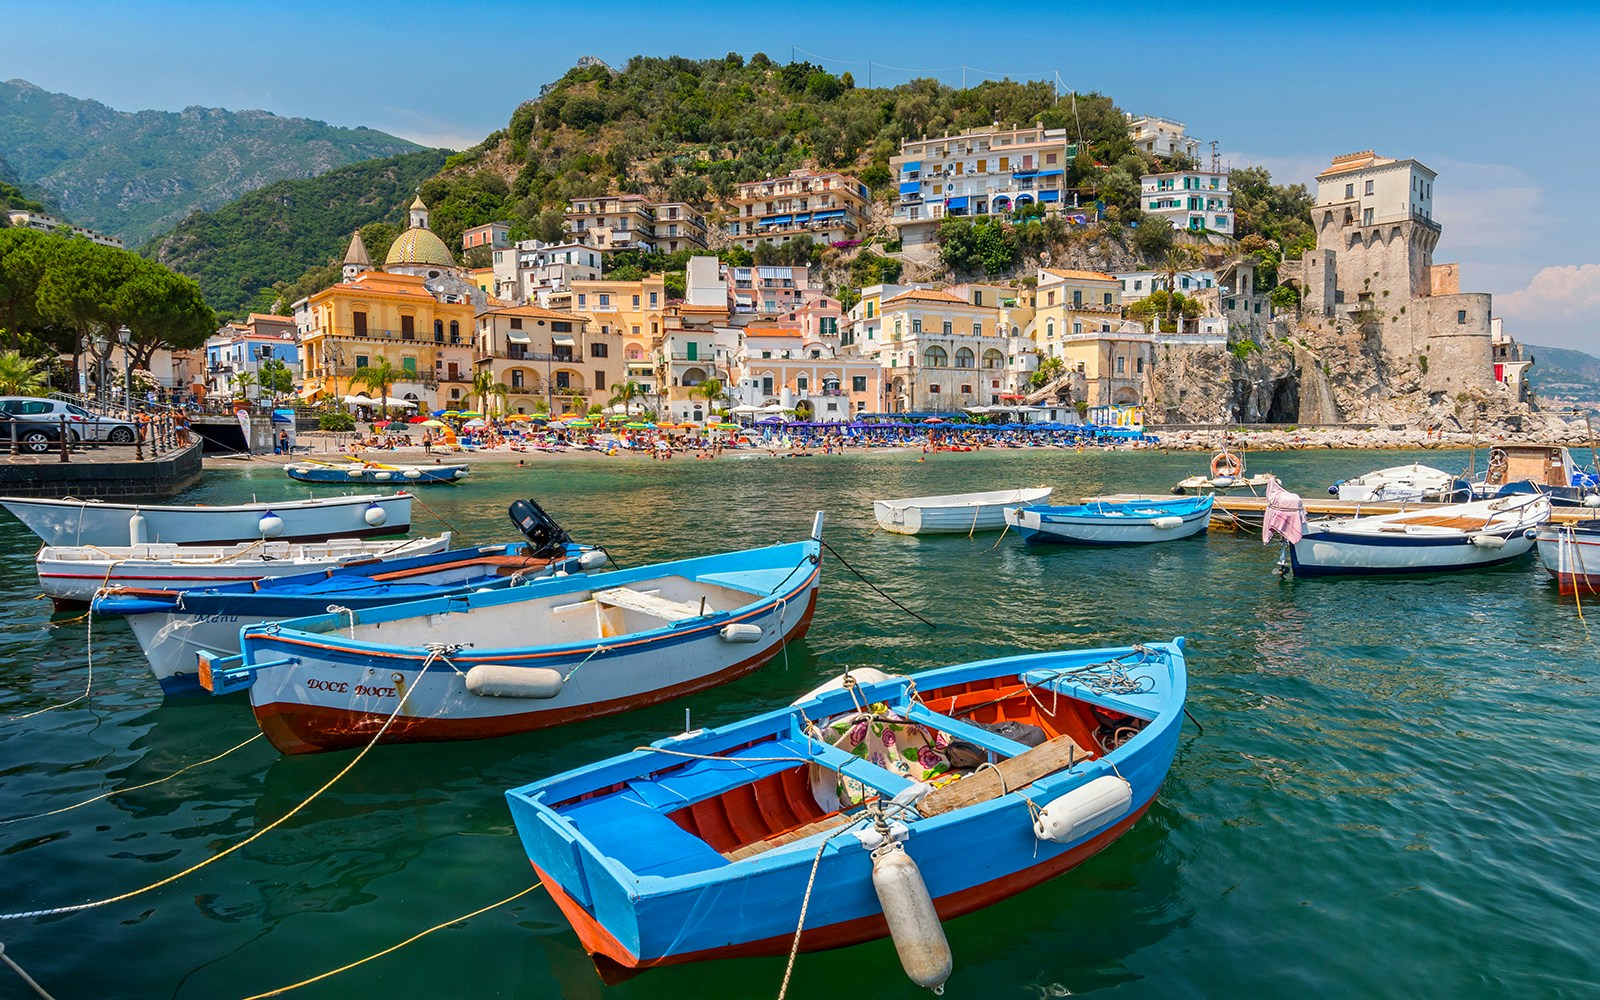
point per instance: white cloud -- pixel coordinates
(1560, 307)
(1284, 169)
(1487, 207)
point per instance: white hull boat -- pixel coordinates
(1450, 537)
(91, 522)
(1570, 553)
(1103, 522)
(1403, 484)
(954, 514)
(74, 573)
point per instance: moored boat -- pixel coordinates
(92, 522)
(1404, 484)
(73, 573)
(307, 471)
(1113, 522)
(955, 513)
(1570, 553)
(174, 626)
(982, 780)
(1548, 470)
(1227, 476)
(1449, 537)
(491, 663)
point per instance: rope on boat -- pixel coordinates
(439, 652)
(23, 973)
(436, 515)
(597, 650)
(394, 948)
(76, 907)
(1569, 559)
(339, 609)
(135, 788)
(88, 684)
(874, 586)
(805, 903)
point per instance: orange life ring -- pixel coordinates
(1226, 463)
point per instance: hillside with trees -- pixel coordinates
(286, 240)
(133, 175)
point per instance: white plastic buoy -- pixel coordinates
(354, 473)
(741, 632)
(1083, 810)
(382, 476)
(1167, 523)
(494, 680)
(375, 516)
(1592, 500)
(593, 559)
(412, 474)
(913, 922)
(138, 529)
(270, 525)
(1489, 541)
(1223, 481)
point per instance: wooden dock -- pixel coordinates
(1246, 512)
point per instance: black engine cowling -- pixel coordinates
(540, 529)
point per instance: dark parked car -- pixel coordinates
(33, 434)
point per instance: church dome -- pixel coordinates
(418, 247)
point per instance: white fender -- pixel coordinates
(862, 675)
(913, 922)
(494, 680)
(138, 530)
(354, 473)
(382, 476)
(1592, 500)
(1085, 809)
(270, 525)
(1489, 541)
(375, 516)
(593, 559)
(741, 632)
(412, 474)
(1167, 523)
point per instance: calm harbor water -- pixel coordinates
(1394, 793)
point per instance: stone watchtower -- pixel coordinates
(1373, 267)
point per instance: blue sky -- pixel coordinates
(1498, 99)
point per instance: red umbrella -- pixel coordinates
(416, 420)
(934, 420)
(382, 423)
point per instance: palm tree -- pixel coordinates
(242, 381)
(378, 376)
(20, 376)
(710, 390)
(484, 386)
(626, 393)
(1178, 260)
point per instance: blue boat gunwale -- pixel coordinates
(1124, 511)
(323, 631)
(546, 797)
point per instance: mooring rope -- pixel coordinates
(23, 973)
(134, 788)
(874, 586)
(88, 684)
(805, 904)
(76, 907)
(393, 948)
(436, 516)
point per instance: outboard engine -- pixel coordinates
(547, 537)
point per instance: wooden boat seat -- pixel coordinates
(763, 846)
(1445, 521)
(1014, 772)
(649, 604)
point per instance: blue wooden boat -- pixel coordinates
(174, 626)
(991, 777)
(307, 471)
(1114, 522)
(492, 663)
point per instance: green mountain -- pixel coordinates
(136, 174)
(1560, 376)
(275, 234)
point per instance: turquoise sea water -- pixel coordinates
(1395, 793)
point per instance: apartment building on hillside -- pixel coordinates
(978, 172)
(822, 208)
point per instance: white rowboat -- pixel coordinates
(91, 522)
(1449, 537)
(957, 513)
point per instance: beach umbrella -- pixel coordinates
(933, 420)
(469, 413)
(478, 422)
(433, 423)
(440, 413)
(518, 417)
(580, 423)
(382, 423)
(449, 413)
(635, 425)
(415, 420)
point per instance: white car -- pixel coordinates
(85, 426)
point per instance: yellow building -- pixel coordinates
(942, 352)
(1079, 320)
(632, 309)
(549, 361)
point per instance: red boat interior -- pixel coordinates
(778, 803)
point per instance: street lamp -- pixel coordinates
(125, 337)
(100, 342)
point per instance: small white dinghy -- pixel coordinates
(1402, 484)
(91, 522)
(74, 573)
(956, 513)
(1448, 537)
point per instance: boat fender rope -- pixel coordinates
(77, 907)
(596, 651)
(805, 904)
(339, 609)
(23, 974)
(440, 652)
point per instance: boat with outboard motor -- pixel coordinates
(954, 513)
(1404, 484)
(93, 522)
(1227, 476)
(1447, 537)
(495, 662)
(1113, 522)
(71, 574)
(1548, 470)
(310, 471)
(875, 806)
(173, 626)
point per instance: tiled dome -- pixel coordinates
(419, 247)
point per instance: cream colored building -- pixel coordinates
(549, 361)
(1079, 320)
(822, 208)
(985, 171)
